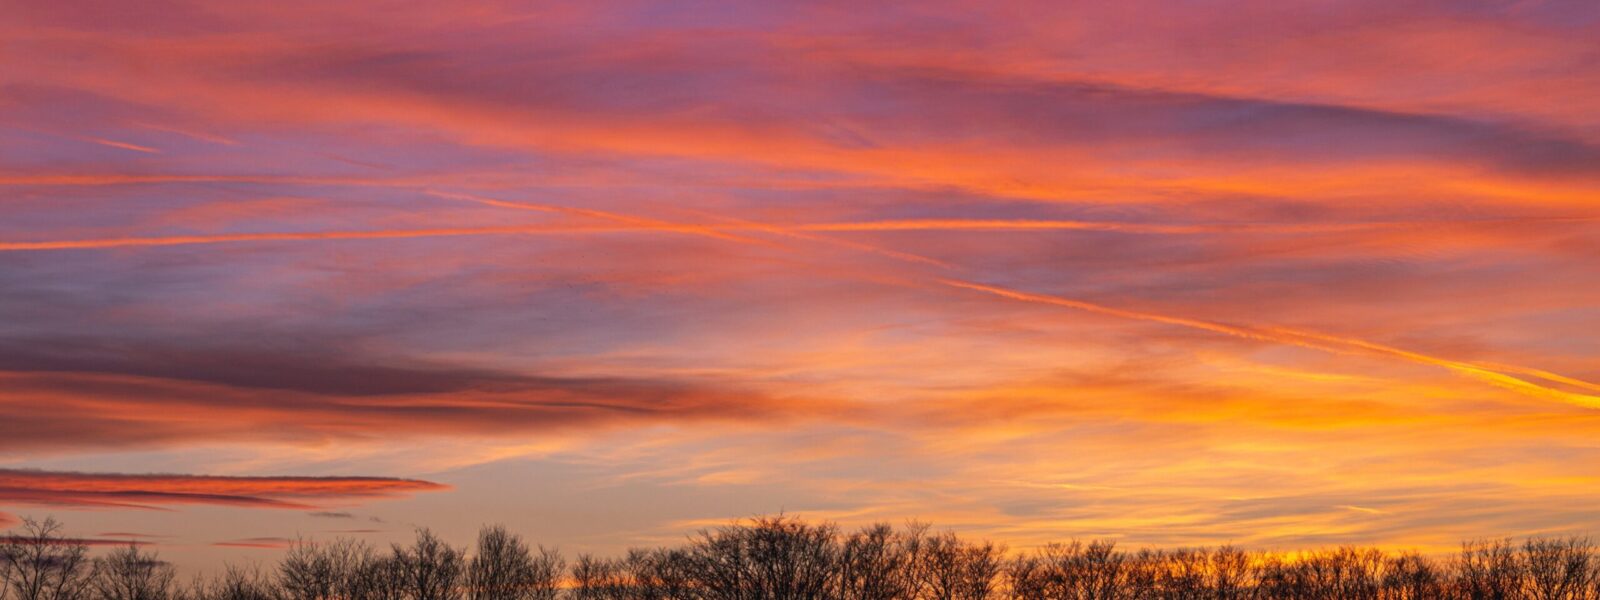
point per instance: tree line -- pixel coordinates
(785, 558)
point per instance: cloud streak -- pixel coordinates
(187, 240)
(79, 490)
(722, 231)
(258, 543)
(1320, 341)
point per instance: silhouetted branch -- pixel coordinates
(785, 558)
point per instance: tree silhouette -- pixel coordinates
(128, 574)
(785, 558)
(430, 569)
(310, 571)
(504, 569)
(43, 564)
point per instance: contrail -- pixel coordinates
(711, 230)
(1497, 375)
(840, 227)
(795, 232)
(1052, 225)
(719, 231)
(1479, 371)
(183, 240)
(634, 225)
(642, 222)
(1162, 228)
(1307, 339)
(1318, 341)
(198, 135)
(802, 230)
(895, 254)
(122, 145)
(642, 225)
(1541, 374)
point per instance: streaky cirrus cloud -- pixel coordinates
(151, 491)
(725, 231)
(259, 543)
(11, 539)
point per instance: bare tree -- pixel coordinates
(311, 571)
(1282, 578)
(1093, 571)
(596, 578)
(1343, 573)
(659, 574)
(5, 567)
(1025, 578)
(771, 558)
(504, 569)
(957, 570)
(1412, 576)
(430, 569)
(1558, 569)
(878, 563)
(237, 583)
(1488, 570)
(377, 578)
(1232, 573)
(44, 564)
(1175, 574)
(782, 558)
(1348, 572)
(128, 574)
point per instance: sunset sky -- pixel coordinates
(1280, 274)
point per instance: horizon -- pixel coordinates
(792, 559)
(1174, 274)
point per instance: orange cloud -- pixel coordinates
(112, 490)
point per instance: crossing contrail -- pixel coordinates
(641, 222)
(1307, 339)
(1320, 341)
(1503, 376)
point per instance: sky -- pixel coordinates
(1280, 275)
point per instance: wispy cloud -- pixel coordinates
(259, 543)
(116, 490)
